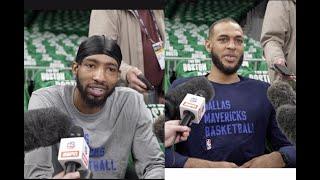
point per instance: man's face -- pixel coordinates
(96, 78)
(226, 47)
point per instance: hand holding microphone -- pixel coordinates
(64, 175)
(279, 66)
(167, 130)
(134, 82)
(173, 129)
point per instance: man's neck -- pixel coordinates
(81, 105)
(219, 77)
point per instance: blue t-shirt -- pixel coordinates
(234, 128)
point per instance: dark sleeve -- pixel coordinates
(175, 83)
(280, 142)
(174, 159)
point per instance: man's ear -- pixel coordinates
(75, 67)
(207, 45)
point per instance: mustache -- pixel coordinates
(97, 85)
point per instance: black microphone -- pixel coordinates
(142, 78)
(286, 117)
(44, 127)
(175, 96)
(72, 166)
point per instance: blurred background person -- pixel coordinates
(140, 35)
(278, 36)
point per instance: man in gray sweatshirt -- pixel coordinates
(115, 120)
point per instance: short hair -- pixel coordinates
(99, 44)
(227, 19)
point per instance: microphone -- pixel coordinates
(142, 78)
(283, 98)
(280, 93)
(192, 108)
(74, 151)
(150, 97)
(158, 127)
(175, 96)
(44, 127)
(286, 117)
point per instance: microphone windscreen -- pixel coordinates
(44, 127)
(176, 95)
(158, 127)
(280, 93)
(191, 86)
(286, 118)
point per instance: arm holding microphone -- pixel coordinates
(166, 131)
(174, 97)
(173, 129)
(132, 77)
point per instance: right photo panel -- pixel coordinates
(230, 84)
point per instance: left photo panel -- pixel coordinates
(94, 94)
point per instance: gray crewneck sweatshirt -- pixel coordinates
(123, 126)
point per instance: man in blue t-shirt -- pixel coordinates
(238, 120)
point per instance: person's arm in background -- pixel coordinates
(107, 22)
(275, 26)
(280, 144)
(146, 151)
(38, 163)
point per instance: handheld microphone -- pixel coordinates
(175, 96)
(44, 127)
(142, 78)
(192, 108)
(282, 69)
(192, 96)
(150, 97)
(74, 151)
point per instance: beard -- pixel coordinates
(226, 70)
(94, 102)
